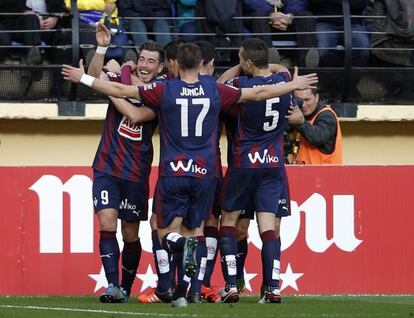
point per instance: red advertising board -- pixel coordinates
(350, 232)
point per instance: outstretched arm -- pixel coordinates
(77, 75)
(270, 91)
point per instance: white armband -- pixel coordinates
(101, 49)
(87, 80)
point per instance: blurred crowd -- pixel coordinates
(312, 30)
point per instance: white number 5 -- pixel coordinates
(271, 112)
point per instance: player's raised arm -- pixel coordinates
(271, 91)
(77, 75)
(103, 39)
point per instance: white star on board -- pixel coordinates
(149, 279)
(289, 278)
(100, 279)
(247, 278)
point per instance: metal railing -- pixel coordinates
(378, 84)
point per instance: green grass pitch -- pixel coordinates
(292, 306)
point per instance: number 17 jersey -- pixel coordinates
(188, 119)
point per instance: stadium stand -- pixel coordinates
(346, 86)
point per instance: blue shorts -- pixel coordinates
(130, 198)
(248, 211)
(188, 197)
(266, 188)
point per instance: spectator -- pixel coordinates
(330, 31)
(400, 31)
(159, 9)
(219, 20)
(26, 21)
(45, 9)
(283, 20)
(186, 9)
(90, 12)
(317, 137)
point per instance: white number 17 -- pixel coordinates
(183, 102)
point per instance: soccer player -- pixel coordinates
(256, 172)
(122, 166)
(165, 263)
(207, 241)
(188, 110)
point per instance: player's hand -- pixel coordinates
(73, 74)
(103, 35)
(113, 66)
(295, 116)
(304, 81)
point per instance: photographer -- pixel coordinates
(317, 137)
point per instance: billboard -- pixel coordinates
(349, 232)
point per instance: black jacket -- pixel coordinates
(13, 6)
(144, 8)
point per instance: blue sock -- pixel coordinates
(109, 250)
(211, 235)
(162, 264)
(173, 242)
(228, 251)
(201, 256)
(242, 248)
(131, 255)
(271, 259)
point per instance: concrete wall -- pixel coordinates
(74, 142)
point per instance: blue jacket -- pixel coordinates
(289, 6)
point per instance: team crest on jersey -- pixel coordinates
(150, 86)
(130, 130)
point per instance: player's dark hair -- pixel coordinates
(188, 56)
(208, 51)
(255, 50)
(315, 90)
(153, 47)
(171, 48)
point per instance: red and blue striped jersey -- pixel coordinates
(258, 139)
(125, 149)
(188, 116)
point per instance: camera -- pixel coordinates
(297, 102)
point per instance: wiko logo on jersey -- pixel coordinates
(189, 167)
(130, 130)
(265, 158)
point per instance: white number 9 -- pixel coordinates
(104, 197)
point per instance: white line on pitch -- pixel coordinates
(100, 311)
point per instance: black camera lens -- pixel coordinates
(297, 102)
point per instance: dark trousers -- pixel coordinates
(259, 26)
(23, 22)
